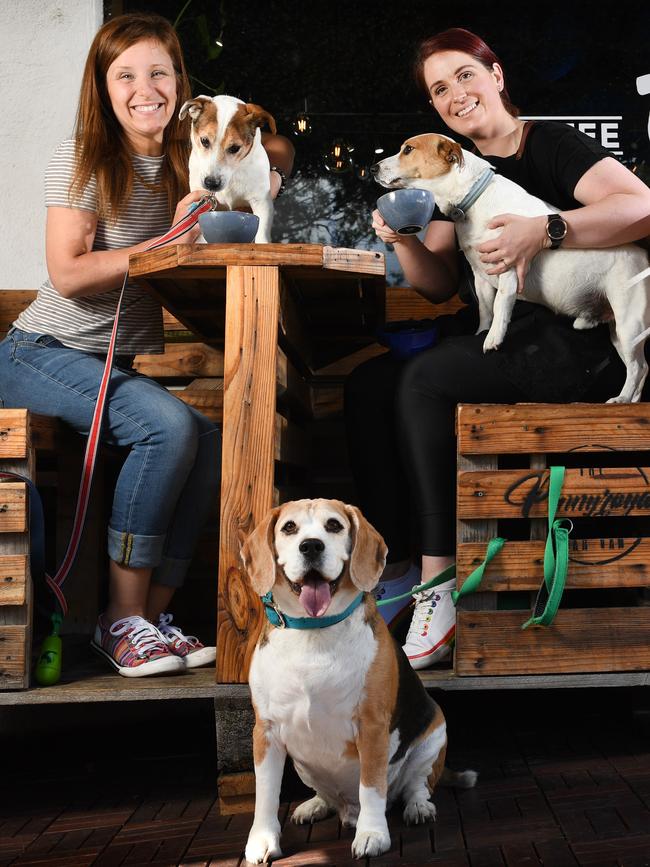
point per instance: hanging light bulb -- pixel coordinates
(302, 124)
(363, 173)
(378, 149)
(338, 159)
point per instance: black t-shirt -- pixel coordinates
(554, 158)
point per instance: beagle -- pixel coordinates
(330, 686)
(227, 156)
(593, 286)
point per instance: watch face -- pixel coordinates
(556, 229)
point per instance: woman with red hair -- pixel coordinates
(599, 203)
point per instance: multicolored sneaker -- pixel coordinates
(396, 587)
(188, 648)
(433, 627)
(134, 647)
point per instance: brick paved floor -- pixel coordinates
(564, 780)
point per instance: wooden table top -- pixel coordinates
(339, 294)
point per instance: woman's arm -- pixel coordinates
(281, 153)
(431, 267)
(75, 270)
(616, 211)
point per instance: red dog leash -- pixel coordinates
(92, 446)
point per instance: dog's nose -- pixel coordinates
(311, 548)
(212, 183)
(374, 168)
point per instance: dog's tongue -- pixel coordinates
(315, 596)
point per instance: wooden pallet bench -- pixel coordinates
(606, 494)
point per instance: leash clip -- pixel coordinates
(283, 622)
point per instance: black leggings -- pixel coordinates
(400, 421)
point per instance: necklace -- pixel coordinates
(154, 187)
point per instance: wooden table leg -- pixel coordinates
(252, 309)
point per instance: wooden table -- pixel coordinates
(272, 305)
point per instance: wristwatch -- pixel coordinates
(556, 229)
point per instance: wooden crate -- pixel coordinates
(606, 493)
(16, 456)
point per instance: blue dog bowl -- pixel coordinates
(406, 211)
(228, 227)
(405, 339)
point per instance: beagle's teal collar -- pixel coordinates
(279, 618)
(459, 212)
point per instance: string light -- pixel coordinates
(302, 124)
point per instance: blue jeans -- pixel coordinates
(171, 474)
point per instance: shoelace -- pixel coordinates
(144, 636)
(425, 603)
(171, 632)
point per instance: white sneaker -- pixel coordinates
(396, 587)
(433, 628)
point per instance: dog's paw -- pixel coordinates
(368, 844)
(619, 399)
(349, 816)
(263, 845)
(416, 812)
(311, 811)
(492, 341)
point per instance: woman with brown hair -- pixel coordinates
(111, 190)
(409, 410)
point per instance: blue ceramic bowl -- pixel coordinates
(406, 211)
(228, 227)
(405, 339)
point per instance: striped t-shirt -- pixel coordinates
(85, 323)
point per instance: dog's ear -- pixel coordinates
(193, 107)
(258, 554)
(451, 152)
(257, 116)
(368, 555)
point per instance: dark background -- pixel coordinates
(351, 61)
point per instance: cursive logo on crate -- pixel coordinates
(615, 494)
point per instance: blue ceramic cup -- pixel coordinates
(228, 227)
(406, 211)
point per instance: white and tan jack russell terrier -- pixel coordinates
(593, 286)
(330, 686)
(228, 158)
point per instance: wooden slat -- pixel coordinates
(357, 261)
(182, 360)
(12, 304)
(291, 443)
(247, 455)
(13, 579)
(206, 395)
(593, 493)
(236, 784)
(13, 642)
(402, 302)
(48, 432)
(610, 562)
(580, 640)
(14, 437)
(176, 256)
(543, 427)
(13, 507)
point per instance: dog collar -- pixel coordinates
(279, 618)
(458, 212)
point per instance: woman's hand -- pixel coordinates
(521, 239)
(181, 211)
(383, 230)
